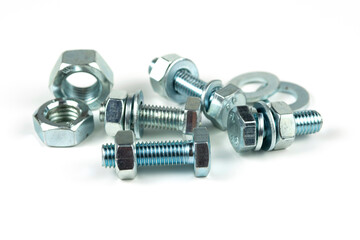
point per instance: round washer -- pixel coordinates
(270, 80)
(136, 126)
(300, 93)
(269, 140)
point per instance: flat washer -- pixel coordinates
(270, 80)
(302, 96)
(269, 140)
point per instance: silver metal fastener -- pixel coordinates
(123, 112)
(176, 77)
(126, 155)
(271, 126)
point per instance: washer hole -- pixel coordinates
(285, 97)
(252, 87)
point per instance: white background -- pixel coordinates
(308, 191)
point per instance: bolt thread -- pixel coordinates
(154, 154)
(161, 117)
(164, 153)
(108, 155)
(307, 122)
(188, 85)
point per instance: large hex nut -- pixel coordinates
(63, 122)
(87, 61)
(223, 101)
(202, 150)
(162, 74)
(285, 124)
(125, 155)
(113, 112)
(242, 129)
(192, 114)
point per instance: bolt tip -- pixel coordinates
(108, 155)
(308, 122)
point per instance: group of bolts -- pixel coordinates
(252, 122)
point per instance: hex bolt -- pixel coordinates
(177, 78)
(125, 155)
(129, 113)
(269, 126)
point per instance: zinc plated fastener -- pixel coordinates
(126, 155)
(128, 112)
(269, 126)
(176, 77)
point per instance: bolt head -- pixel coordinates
(162, 71)
(114, 108)
(125, 155)
(192, 113)
(242, 129)
(285, 124)
(223, 101)
(202, 152)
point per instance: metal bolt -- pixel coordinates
(129, 113)
(125, 155)
(271, 126)
(177, 78)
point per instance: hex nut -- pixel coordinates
(202, 157)
(285, 124)
(63, 122)
(113, 112)
(242, 129)
(223, 101)
(162, 72)
(87, 61)
(192, 113)
(125, 155)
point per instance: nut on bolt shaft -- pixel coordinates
(271, 126)
(176, 77)
(126, 155)
(129, 113)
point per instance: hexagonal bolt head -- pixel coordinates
(242, 129)
(202, 150)
(162, 72)
(114, 112)
(125, 155)
(285, 124)
(223, 101)
(192, 113)
(63, 122)
(87, 61)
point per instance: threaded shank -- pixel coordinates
(161, 117)
(164, 153)
(307, 122)
(108, 155)
(188, 85)
(102, 112)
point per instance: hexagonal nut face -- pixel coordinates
(114, 112)
(162, 74)
(125, 155)
(192, 113)
(285, 124)
(223, 101)
(87, 61)
(242, 129)
(63, 122)
(202, 150)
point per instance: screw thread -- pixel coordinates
(187, 84)
(161, 117)
(154, 153)
(102, 112)
(164, 153)
(307, 122)
(108, 155)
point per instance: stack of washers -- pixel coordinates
(251, 120)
